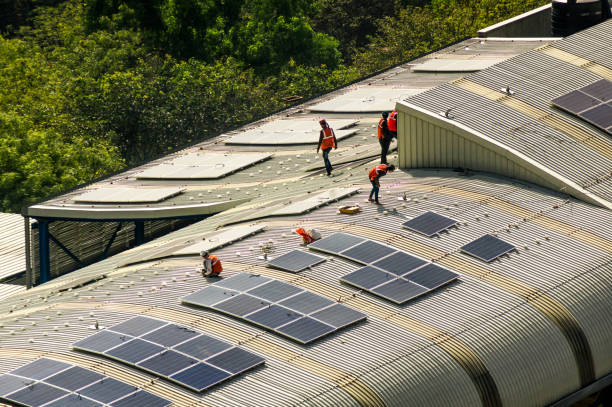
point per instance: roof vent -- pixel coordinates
(570, 16)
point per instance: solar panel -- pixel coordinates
(487, 248)
(169, 351)
(274, 291)
(201, 376)
(141, 398)
(431, 276)
(286, 313)
(429, 223)
(138, 326)
(399, 290)
(102, 341)
(73, 400)
(68, 386)
(380, 275)
(602, 90)
(209, 296)
(336, 243)
(367, 277)
(242, 282)
(134, 351)
(600, 116)
(590, 103)
(399, 263)
(36, 394)
(167, 363)
(367, 252)
(295, 261)
(41, 368)
(235, 360)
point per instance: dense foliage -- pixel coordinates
(90, 87)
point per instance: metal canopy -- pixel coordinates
(176, 353)
(290, 132)
(292, 312)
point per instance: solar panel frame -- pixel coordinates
(141, 398)
(74, 378)
(487, 244)
(181, 354)
(590, 103)
(236, 360)
(204, 370)
(602, 90)
(575, 102)
(104, 341)
(74, 400)
(285, 316)
(399, 263)
(399, 290)
(10, 383)
(36, 394)
(367, 277)
(431, 276)
(274, 291)
(41, 368)
(429, 223)
(600, 116)
(295, 261)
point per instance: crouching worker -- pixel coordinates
(308, 235)
(211, 265)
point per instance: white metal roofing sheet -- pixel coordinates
(455, 65)
(128, 195)
(365, 99)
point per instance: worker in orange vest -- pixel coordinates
(211, 265)
(384, 137)
(327, 141)
(392, 124)
(375, 174)
(308, 235)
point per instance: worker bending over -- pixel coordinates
(375, 174)
(327, 141)
(211, 265)
(308, 235)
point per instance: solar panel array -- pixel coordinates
(295, 261)
(389, 273)
(176, 353)
(280, 307)
(429, 223)
(52, 383)
(487, 248)
(592, 103)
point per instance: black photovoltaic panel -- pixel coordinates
(591, 103)
(167, 350)
(600, 116)
(210, 295)
(431, 276)
(140, 399)
(290, 313)
(399, 263)
(367, 252)
(575, 102)
(68, 386)
(295, 261)
(336, 243)
(380, 277)
(429, 223)
(235, 360)
(399, 290)
(602, 90)
(242, 282)
(487, 248)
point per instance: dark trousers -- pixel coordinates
(328, 166)
(375, 188)
(384, 149)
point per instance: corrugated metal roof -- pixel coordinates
(12, 245)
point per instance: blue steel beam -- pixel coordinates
(138, 232)
(110, 242)
(43, 250)
(65, 249)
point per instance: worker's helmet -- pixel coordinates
(203, 253)
(385, 114)
(323, 123)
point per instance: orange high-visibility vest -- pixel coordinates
(392, 121)
(381, 135)
(328, 139)
(305, 236)
(378, 171)
(216, 264)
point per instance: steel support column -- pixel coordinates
(138, 232)
(43, 250)
(28, 257)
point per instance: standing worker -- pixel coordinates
(384, 137)
(392, 124)
(327, 140)
(211, 265)
(375, 174)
